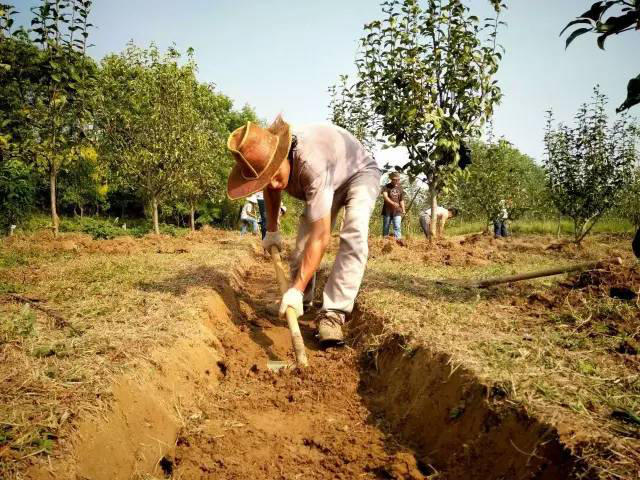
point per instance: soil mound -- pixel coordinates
(616, 281)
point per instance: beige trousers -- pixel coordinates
(358, 197)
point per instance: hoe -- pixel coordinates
(292, 321)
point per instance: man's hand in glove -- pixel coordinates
(292, 298)
(270, 239)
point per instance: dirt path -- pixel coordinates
(286, 425)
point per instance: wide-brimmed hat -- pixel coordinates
(258, 153)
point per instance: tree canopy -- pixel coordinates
(426, 72)
(589, 165)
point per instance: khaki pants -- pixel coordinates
(425, 223)
(358, 197)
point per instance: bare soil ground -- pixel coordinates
(563, 347)
(147, 359)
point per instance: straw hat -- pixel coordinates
(258, 153)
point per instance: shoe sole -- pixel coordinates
(331, 342)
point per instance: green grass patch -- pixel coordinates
(11, 258)
(102, 227)
(18, 325)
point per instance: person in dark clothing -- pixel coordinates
(263, 214)
(636, 244)
(393, 207)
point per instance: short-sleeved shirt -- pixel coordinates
(247, 212)
(440, 211)
(326, 157)
(395, 194)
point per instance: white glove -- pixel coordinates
(270, 239)
(292, 298)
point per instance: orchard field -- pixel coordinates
(146, 357)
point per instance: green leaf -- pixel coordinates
(575, 22)
(601, 40)
(633, 95)
(576, 34)
(596, 10)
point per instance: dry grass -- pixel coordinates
(554, 349)
(75, 312)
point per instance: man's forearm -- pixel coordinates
(387, 200)
(311, 258)
(317, 242)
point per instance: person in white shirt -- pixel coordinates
(248, 216)
(500, 222)
(442, 215)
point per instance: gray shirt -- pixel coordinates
(325, 159)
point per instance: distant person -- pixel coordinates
(248, 216)
(442, 215)
(283, 212)
(500, 222)
(263, 214)
(636, 244)
(393, 208)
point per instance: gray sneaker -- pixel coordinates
(330, 328)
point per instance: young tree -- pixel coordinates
(630, 201)
(625, 17)
(350, 111)
(19, 71)
(17, 189)
(58, 113)
(206, 165)
(428, 74)
(589, 166)
(83, 182)
(500, 173)
(207, 168)
(148, 120)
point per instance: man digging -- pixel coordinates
(327, 168)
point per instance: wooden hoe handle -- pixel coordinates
(546, 273)
(292, 320)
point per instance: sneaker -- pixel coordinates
(330, 328)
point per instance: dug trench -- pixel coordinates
(387, 412)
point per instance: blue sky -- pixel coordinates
(281, 55)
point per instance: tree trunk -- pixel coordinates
(407, 219)
(54, 212)
(81, 211)
(192, 218)
(433, 226)
(154, 212)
